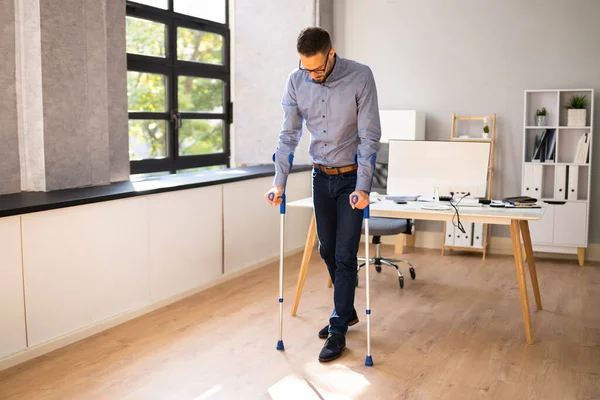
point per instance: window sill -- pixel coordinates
(28, 202)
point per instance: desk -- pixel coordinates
(517, 218)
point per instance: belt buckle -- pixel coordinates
(331, 170)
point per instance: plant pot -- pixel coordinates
(540, 120)
(485, 135)
(576, 116)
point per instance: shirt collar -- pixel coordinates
(335, 72)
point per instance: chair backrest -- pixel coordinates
(381, 170)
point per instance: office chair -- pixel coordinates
(379, 226)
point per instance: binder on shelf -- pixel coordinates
(478, 235)
(573, 182)
(560, 183)
(544, 148)
(463, 239)
(449, 240)
(582, 149)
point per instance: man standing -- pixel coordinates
(337, 99)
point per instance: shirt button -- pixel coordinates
(323, 116)
(324, 131)
(322, 101)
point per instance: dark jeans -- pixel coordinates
(338, 229)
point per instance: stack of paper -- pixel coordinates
(582, 150)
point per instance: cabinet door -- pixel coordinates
(570, 224)
(541, 230)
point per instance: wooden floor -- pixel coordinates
(454, 333)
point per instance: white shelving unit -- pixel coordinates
(561, 180)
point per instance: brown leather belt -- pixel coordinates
(336, 170)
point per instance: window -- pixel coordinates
(178, 85)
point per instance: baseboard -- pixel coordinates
(497, 245)
(73, 337)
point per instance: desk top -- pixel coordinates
(414, 210)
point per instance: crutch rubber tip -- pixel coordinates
(280, 345)
(369, 361)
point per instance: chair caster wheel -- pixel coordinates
(378, 268)
(413, 274)
(401, 281)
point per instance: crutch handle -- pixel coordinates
(366, 211)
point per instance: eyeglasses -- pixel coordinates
(317, 70)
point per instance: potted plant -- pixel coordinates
(576, 111)
(540, 116)
(486, 128)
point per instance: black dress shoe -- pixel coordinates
(334, 345)
(323, 333)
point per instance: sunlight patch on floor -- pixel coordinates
(320, 381)
(209, 392)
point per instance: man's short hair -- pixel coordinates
(313, 40)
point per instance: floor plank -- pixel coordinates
(456, 332)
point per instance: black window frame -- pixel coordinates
(172, 68)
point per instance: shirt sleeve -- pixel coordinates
(290, 134)
(369, 133)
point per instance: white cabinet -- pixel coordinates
(193, 232)
(85, 264)
(541, 231)
(570, 224)
(251, 225)
(557, 170)
(562, 225)
(12, 308)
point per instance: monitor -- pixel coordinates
(417, 167)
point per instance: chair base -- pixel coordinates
(378, 261)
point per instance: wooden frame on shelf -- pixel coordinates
(490, 176)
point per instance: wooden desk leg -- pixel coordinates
(516, 243)
(410, 240)
(530, 260)
(308, 248)
(399, 243)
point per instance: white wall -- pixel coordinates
(475, 58)
(264, 41)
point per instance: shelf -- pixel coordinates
(566, 201)
(541, 127)
(574, 127)
(472, 140)
(475, 249)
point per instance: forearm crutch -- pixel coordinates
(369, 359)
(281, 255)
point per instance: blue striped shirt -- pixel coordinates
(342, 116)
